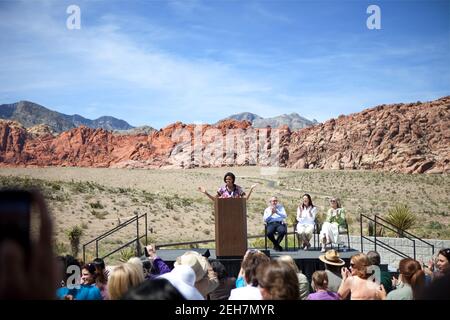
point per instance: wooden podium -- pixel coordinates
(231, 227)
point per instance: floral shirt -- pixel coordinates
(224, 193)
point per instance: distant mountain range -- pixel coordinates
(409, 138)
(30, 114)
(294, 121)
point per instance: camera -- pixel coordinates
(15, 217)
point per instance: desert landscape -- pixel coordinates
(95, 179)
(97, 199)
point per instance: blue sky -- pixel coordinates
(156, 62)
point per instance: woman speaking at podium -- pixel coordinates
(229, 190)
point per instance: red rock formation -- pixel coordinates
(412, 138)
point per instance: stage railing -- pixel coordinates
(108, 233)
(380, 222)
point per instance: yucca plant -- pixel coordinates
(127, 253)
(402, 218)
(74, 235)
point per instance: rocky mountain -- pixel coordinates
(409, 138)
(135, 131)
(247, 116)
(294, 121)
(31, 114)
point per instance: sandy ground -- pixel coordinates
(98, 199)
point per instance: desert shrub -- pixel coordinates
(169, 205)
(98, 214)
(435, 225)
(96, 205)
(74, 234)
(402, 218)
(126, 254)
(61, 248)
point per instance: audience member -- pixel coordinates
(303, 284)
(320, 286)
(410, 283)
(123, 278)
(205, 277)
(252, 259)
(155, 289)
(226, 283)
(385, 276)
(277, 281)
(355, 283)
(333, 266)
(182, 277)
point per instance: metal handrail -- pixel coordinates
(117, 228)
(393, 228)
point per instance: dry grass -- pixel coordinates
(98, 199)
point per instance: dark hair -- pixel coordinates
(374, 258)
(445, 253)
(99, 262)
(157, 289)
(229, 174)
(310, 201)
(412, 274)
(90, 267)
(219, 269)
(147, 265)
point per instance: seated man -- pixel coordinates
(274, 217)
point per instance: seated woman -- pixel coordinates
(330, 228)
(306, 217)
(229, 190)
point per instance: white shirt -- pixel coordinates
(307, 215)
(245, 293)
(279, 215)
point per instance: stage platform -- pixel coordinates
(308, 261)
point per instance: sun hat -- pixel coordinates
(332, 257)
(183, 278)
(196, 261)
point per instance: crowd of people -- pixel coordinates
(38, 275)
(194, 277)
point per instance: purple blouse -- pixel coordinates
(323, 295)
(224, 193)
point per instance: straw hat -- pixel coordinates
(196, 261)
(332, 257)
